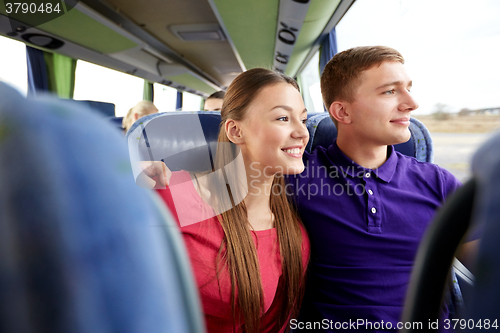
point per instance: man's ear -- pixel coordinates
(233, 131)
(339, 112)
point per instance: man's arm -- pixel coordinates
(154, 175)
(467, 251)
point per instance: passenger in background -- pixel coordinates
(248, 248)
(141, 109)
(214, 101)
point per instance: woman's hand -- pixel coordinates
(154, 175)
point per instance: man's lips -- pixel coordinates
(401, 121)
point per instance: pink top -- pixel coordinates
(203, 235)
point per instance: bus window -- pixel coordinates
(13, 68)
(165, 97)
(96, 83)
(309, 81)
(452, 60)
(191, 102)
(456, 72)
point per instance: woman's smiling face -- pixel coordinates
(274, 134)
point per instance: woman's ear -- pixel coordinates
(340, 112)
(233, 131)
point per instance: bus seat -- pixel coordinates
(82, 248)
(117, 123)
(322, 132)
(183, 140)
(485, 300)
(102, 108)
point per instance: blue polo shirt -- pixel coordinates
(365, 227)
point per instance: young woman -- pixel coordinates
(248, 249)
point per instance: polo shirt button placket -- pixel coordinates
(372, 204)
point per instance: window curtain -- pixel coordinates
(61, 73)
(148, 92)
(178, 105)
(328, 49)
(50, 72)
(38, 80)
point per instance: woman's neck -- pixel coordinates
(257, 201)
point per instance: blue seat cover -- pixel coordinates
(82, 248)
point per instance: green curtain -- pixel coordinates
(148, 93)
(61, 73)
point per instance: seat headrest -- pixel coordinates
(183, 140)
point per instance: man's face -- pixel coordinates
(213, 104)
(380, 112)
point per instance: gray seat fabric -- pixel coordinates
(82, 248)
(183, 140)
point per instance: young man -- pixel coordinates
(365, 205)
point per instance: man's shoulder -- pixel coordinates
(319, 154)
(428, 172)
(409, 163)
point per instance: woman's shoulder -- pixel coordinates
(184, 201)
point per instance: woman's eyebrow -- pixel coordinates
(286, 108)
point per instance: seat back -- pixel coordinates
(183, 140)
(117, 123)
(82, 248)
(485, 299)
(103, 108)
(322, 132)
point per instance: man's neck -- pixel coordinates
(368, 156)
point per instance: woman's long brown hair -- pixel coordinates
(238, 252)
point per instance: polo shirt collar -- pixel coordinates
(385, 172)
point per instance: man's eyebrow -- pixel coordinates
(396, 83)
(286, 108)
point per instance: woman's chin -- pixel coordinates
(293, 170)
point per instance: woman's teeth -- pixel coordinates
(292, 151)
